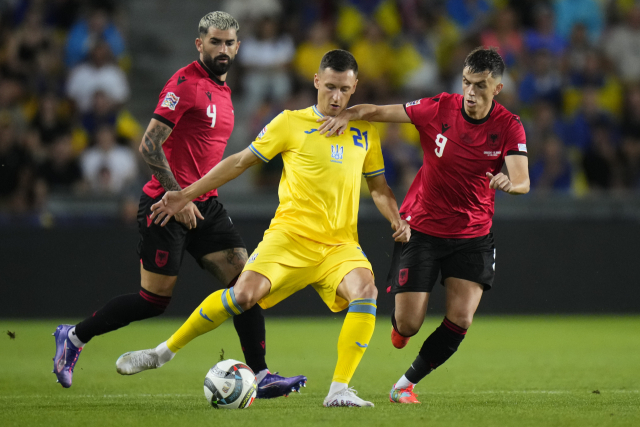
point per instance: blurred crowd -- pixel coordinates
(573, 75)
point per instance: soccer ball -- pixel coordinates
(230, 384)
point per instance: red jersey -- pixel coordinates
(450, 196)
(197, 106)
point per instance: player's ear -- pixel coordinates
(199, 44)
(498, 89)
(237, 46)
(316, 81)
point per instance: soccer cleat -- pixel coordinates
(404, 395)
(398, 340)
(133, 362)
(345, 397)
(66, 356)
(273, 385)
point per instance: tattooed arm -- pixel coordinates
(152, 153)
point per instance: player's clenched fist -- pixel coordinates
(500, 182)
(172, 202)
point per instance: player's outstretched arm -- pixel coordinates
(228, 169)
(369, 112)
(386, 203)
(518, 180)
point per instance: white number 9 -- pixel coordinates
(441, 141)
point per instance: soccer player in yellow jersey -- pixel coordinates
(313, 239)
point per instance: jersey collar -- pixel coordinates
(315, 110)
(477, 121)
(212, 76)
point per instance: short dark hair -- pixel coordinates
(339, 60)
(483, 59)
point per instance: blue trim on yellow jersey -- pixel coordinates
(257, 153)
(374, 173)
(315, 110)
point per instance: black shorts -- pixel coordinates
(161, 249)
(415, 265)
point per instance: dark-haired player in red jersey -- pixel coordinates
(466, 141)
(185, 139)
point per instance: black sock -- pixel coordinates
(121, 311)
(437, 348)
(251, 331)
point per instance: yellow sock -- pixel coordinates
(355, 335)
(214, 310)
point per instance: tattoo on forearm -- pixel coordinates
(153, 154)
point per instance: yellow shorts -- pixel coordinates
(292, 262)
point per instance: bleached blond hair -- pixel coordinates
(220, 20)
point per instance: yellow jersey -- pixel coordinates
(320, 186)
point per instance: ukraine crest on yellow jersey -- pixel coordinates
(320, 186)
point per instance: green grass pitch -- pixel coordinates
(510, 371)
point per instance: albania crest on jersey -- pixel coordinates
(493, 140)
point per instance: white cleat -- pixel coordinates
(345, 397)
(137, 361)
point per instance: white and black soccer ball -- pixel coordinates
(230, 384)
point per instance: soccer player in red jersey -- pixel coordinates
(185, 139)
(466, 140)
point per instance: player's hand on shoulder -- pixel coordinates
(189, 215)
(499, 182)
(334, 125)
(172, 202)
(402, 231)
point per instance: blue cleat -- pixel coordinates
(273, 385)
(66, 356)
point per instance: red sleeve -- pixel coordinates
(422, 111)
(176, 98)
(516, 141)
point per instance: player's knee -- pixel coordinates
(366, 290)
(408, 327)
(250, 289)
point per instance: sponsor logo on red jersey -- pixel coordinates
(170, 101)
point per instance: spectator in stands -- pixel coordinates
(571, 12)
(622, 46)
(469, 15)
(589, 116)
(61, 172)
(107, 166)
(86, 33)
(631, 116)
(16, 173)
(552, 170)
(578, 48)
(49, 120)
(374, 70)
(543, 82)
(310, 52)
(601, 163)
(100, 73)
(630, 155)
(266, 59)
(544, 35)
(505, 34)
(546, 120)
(401, 159)
(594, 76)
(27, 41)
